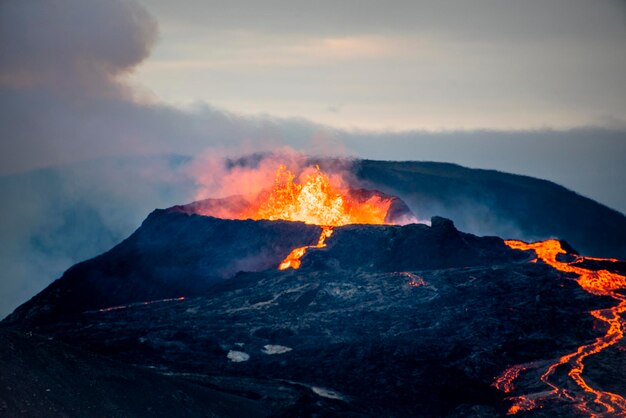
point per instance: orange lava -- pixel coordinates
(414, 280)
(504, 382)
(588, 400)
(314, 200)
(293, 259)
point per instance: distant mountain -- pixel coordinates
(488, 202)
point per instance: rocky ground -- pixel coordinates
(384, 321)
(44, 378)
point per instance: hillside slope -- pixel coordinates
(488, 202)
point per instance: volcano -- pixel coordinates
(313, 298)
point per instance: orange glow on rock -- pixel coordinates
(293, 259)
(316, 201)
(504, 382)
(600, 283)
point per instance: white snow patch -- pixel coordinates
(275, 349)
(238, 356)
(326, 393)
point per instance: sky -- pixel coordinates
(397, 65)
(102, 101)
(87, 79)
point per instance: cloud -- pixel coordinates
(252, 51)
(479, 19)
(73, 47)
(422, 64)
(65, 95)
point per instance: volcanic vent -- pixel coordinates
(314, 198)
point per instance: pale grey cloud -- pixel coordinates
(65, 97)
(403, 64)
(476, 20)
(70, 46)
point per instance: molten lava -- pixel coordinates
(602, 283)
(293, 259)
(316, 201)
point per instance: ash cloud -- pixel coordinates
(221, 173)
(64, 95)
(73, 47)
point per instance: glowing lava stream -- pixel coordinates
(293, 259)
(601, 283)
(314, 200)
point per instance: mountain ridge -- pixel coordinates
(174, 254)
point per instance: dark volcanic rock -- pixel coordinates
(409, 247)
(174, 254)
(220, 208)
(383, 321)
(382, 344)
(43, 378)
(170, 255)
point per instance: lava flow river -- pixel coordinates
(589, 400)
(293, 260)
